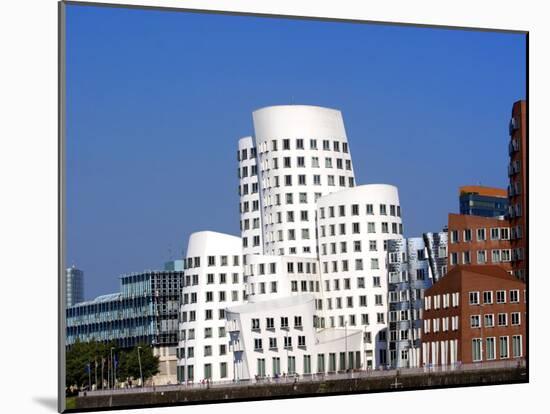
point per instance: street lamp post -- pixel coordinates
(89, 376)
(346, 346)
(113, 376)
(140, 371)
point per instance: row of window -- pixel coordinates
(354, 210)
(270, 323)
(258, 343)
(300, 144)
(444, 300)
(222, 297)
(374, 265)
(349, 302)
(437, 324)
(316, 179)
(357, 247)
(396, 228)
(497, 256)
(300, 162)
(489, 320)
(489, 351)
(404, 315)
(189, 334)
(262, 288)
(191, 316)
(351, 361)
(192, 262)
(352, 320)
(246, 154)
(501, 296)
(244, 189)
(193, 280)
(482, 234)
(208, 351)
(243, 172)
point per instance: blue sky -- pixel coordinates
(157, 100)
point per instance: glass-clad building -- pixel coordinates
(144, 311)
(483, 201)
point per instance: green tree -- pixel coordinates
(80, 354)
(129, 364)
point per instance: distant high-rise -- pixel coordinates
(476, 200)
(74, 279)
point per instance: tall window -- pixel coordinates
(261, 367)
(516, 346)
(476, 349)
(503, 347)
(291, 365)
(490, 348)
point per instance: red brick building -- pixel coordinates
(517, 190)
(477, 240)
(474, 314)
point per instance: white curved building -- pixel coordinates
(354, 227)
(312, 251)
(212, 282)
(303, 154)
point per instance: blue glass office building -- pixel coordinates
(144, 311)
(483, 201)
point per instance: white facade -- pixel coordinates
(213, 281)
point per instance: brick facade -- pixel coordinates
(474, 314)
(488, 235)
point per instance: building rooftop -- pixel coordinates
(100, 299)
(485, 270)
(483, 191)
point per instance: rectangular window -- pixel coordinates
(502, 319)
(517, 350)
(503, 347)
(476, 349)
(481, 235)
(490, 348)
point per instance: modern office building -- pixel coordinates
(313, 248)
(414, 264)
(474, 314)
(476, 240)
(144, 311)
(74, 284)
(476, 200)
(517, 190)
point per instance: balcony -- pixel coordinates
(513, 126)
(513, 146)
